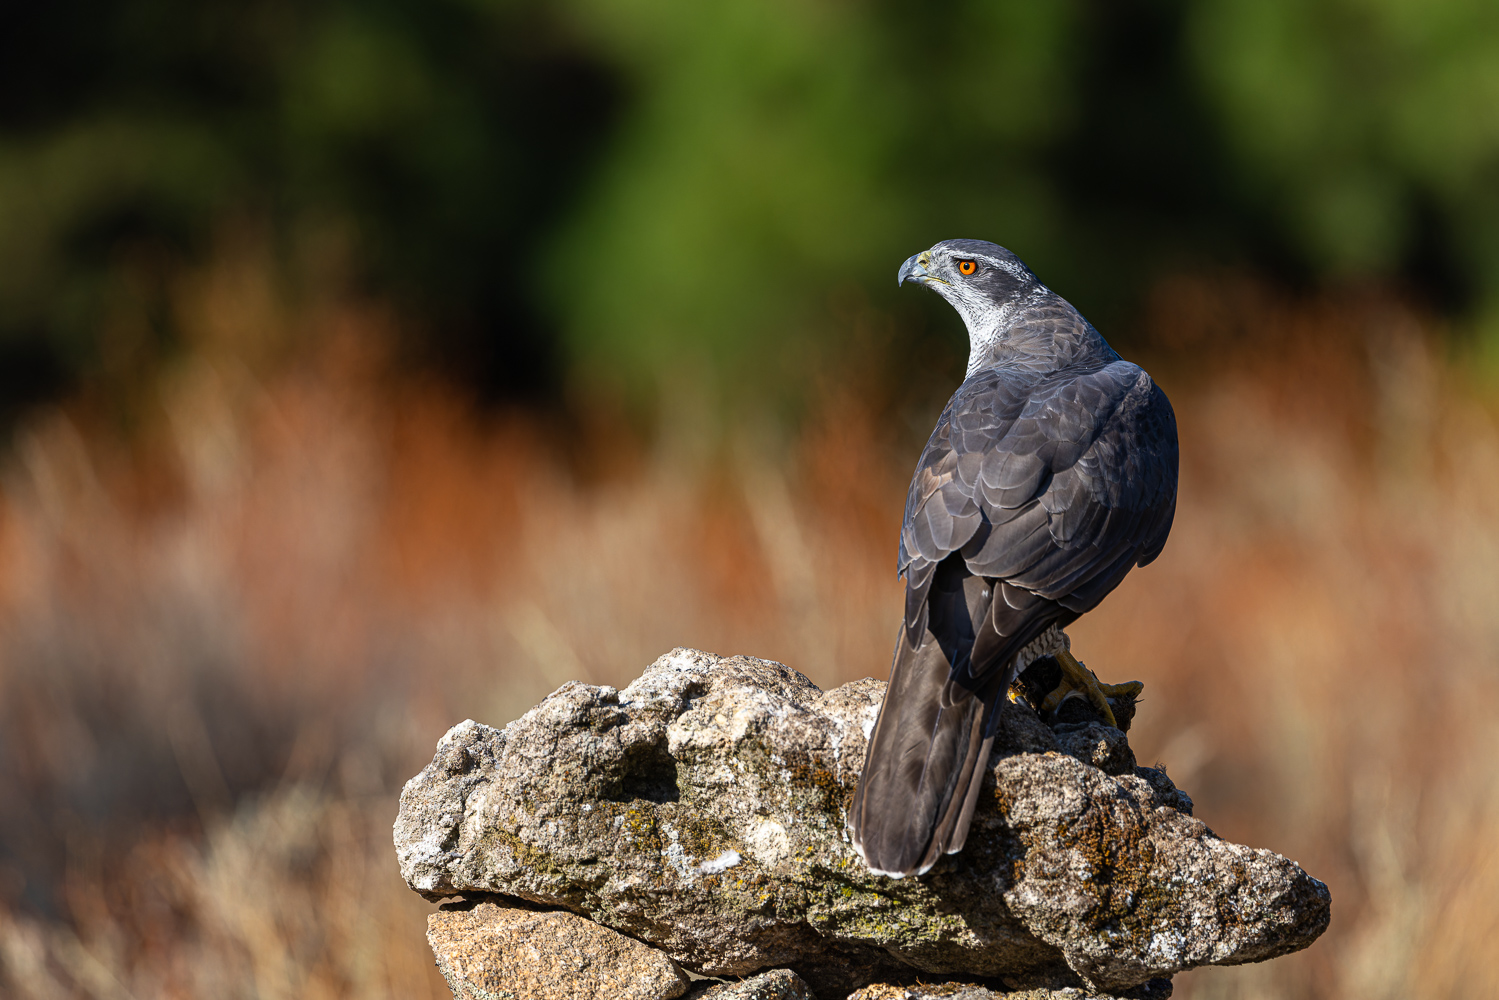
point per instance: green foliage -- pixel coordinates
(438, 138)
(778, 151)
(1352, 117)
(643, 188)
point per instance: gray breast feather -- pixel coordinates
(1057, 484)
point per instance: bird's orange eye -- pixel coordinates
(967, 266)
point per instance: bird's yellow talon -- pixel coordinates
(1076, 677)
(1129, 689)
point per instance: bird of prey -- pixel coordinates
(1050, 475)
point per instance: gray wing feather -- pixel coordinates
(1056, 486)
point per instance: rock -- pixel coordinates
(491, 952)
(778, 984)
(1156, 989)
(1105, 747)
(1165, 792)
(700, 810)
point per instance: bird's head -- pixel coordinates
(982, 281)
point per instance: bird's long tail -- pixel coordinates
(922, 771)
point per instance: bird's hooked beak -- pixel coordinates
(915, 269)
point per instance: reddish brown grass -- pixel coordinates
(225, 643)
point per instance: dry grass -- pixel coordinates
(224, 644)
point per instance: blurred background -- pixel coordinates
(365, 367)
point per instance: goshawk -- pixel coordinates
(1050, 475)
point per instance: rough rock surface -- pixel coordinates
(700, 810)
(778, 984)
(490, 952)
(1157, 989)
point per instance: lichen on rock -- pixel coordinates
(778, 984)
(700, 810)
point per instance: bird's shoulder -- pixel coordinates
(1009, 435)
(1010, 407)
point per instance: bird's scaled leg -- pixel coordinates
(1076, 677)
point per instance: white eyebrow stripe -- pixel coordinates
(957, 254)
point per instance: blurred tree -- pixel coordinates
(1369, 129)
(653, 188)
(775, 151)
(779, 151)
(439, 138)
